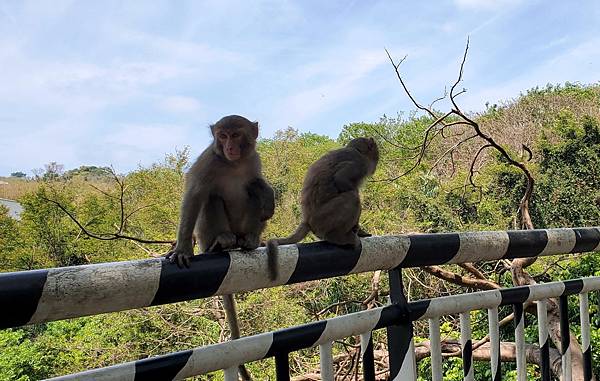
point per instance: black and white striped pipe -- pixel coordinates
(455, 304)
(584, 316)
(282, 366)
(519, 322)
(565, 339)
(466, 344)
(326, 356)
(228, 355)
(542, 315)
(367, 355)
(401, 353)
(437, 371)
(53, 294)
(494, 330)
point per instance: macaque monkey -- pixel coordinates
(226, 202)
(330, 200)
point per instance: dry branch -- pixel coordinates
(520, 276)
(460, 280)
(123, 219)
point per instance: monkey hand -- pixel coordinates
(268, 204)
(181, 256)
(249, 241)
(261, 194)
(267, 212)
(223, 241)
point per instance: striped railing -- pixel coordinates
(47, 295)
(228, 355)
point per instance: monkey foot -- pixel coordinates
(249, 241)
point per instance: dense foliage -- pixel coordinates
(564, 139)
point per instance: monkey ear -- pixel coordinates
(212, 129)
(254, 130)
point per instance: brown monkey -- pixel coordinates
(330, 200)
(226, 202)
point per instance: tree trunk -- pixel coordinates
(508, 353)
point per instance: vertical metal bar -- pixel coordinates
(565, 338)
(494, 330)
(542, 314)
(584, 314)
(368, 360)
(282, 367)
(400, 337)
(520, 341)
(408, 371)
(467, 345)
(326, 361)
(231, 374)
(436, 349)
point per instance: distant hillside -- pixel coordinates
(524, 120)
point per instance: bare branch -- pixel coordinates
(396, 68)
(472, 166)
(460, 280)
(459, 79)
(450, 150)
(370, 301)
(103, 236)
(517, 266)
(470, 267)
(439, 99)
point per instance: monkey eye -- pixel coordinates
(222, 136)
(235, 135)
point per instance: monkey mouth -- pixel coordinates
(233, 156)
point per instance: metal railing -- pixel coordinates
(47, 295)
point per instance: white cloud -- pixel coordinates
(57, 141)
(75, 87)
(197, 58)
(335, 80)
(147, 136)
(180, 104)
(485, 5)
(66, 86)
(577, 64)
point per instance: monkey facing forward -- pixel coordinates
(330, 200)
(226, 202)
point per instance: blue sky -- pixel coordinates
(123, 83)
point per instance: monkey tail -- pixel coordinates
(272, 251)
(231, 315)
(273, 247)
(234, 328)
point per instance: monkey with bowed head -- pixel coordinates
(330, 200)
(227, 201)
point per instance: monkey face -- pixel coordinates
(235, 137)
(231, 143)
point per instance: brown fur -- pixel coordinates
(226, 201)
(330, 200)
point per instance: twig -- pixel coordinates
(104, 236)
